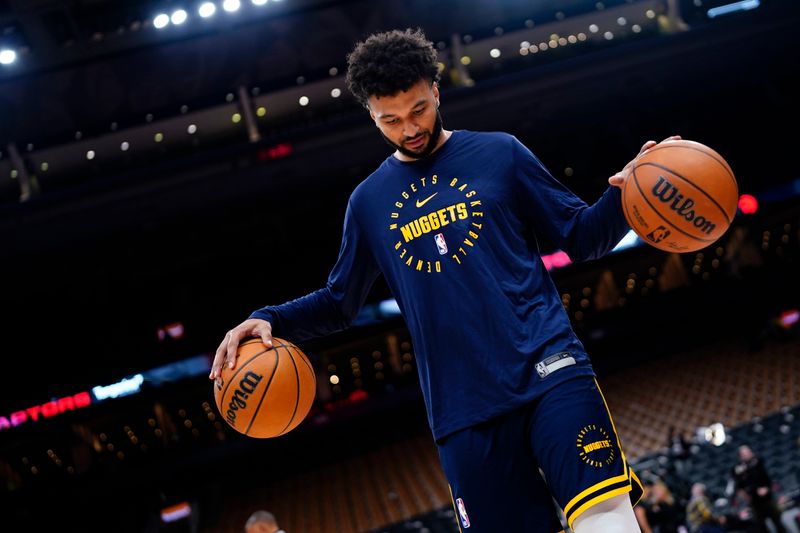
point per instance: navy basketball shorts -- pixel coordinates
(558, 455)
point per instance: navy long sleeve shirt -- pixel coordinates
(455, 237)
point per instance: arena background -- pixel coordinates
(158, 184)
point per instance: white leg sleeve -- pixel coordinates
(615, 515)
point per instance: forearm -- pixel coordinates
(599, 227)
(314, 315)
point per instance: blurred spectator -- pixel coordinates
(262, 522)
(642, 509)
(699, 515)
(742, 257)
(790, 515)
(668, 17)
(751, 478)
(739, 515)
(677, 444)
(679, 451)
(658, 512)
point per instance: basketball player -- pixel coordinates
(451, 220)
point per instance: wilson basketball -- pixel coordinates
(680, 196)
(269, 391)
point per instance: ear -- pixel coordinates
(368, 107)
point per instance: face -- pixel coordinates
(260, 527)
(409, 120)
(745, 453)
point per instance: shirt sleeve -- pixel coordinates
(333, 307)
(584, 232)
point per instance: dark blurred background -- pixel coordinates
(161, 178)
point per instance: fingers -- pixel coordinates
(649, 144)
(236, 336)
(618, 179)
(216, 366)
(265, 331)
(646, 146)
(248, 328)
(227, 351)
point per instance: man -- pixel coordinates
(750, 477)
(451, 220)
(262, 522)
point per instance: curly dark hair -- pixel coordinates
(389, 62)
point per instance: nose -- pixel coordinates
(410, 130)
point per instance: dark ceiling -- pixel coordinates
(102, 61)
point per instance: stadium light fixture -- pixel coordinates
(160, 21)
(744, 5)
(179, 17)
(231, 5)
(7, 56)
(207, 9)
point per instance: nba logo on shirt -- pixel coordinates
(440, 244)
(462, 511)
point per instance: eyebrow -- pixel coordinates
(390, 115)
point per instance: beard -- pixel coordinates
(427, 148)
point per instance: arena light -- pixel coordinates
(173, 330)
(789, 318)
(207, 9)
(178, 17)
(160, 21)
(7, 56)
(176, 512)
(231, 5)
(630, 240)
(748, 204)
(714, 434)
(46, 410)
(389, 307)
(259, 2)
(275, 152)
(121, 388)
(556, 260)
(745, 5)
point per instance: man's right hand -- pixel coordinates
(227, 351)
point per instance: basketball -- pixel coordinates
(269, 391)
(680, 196)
